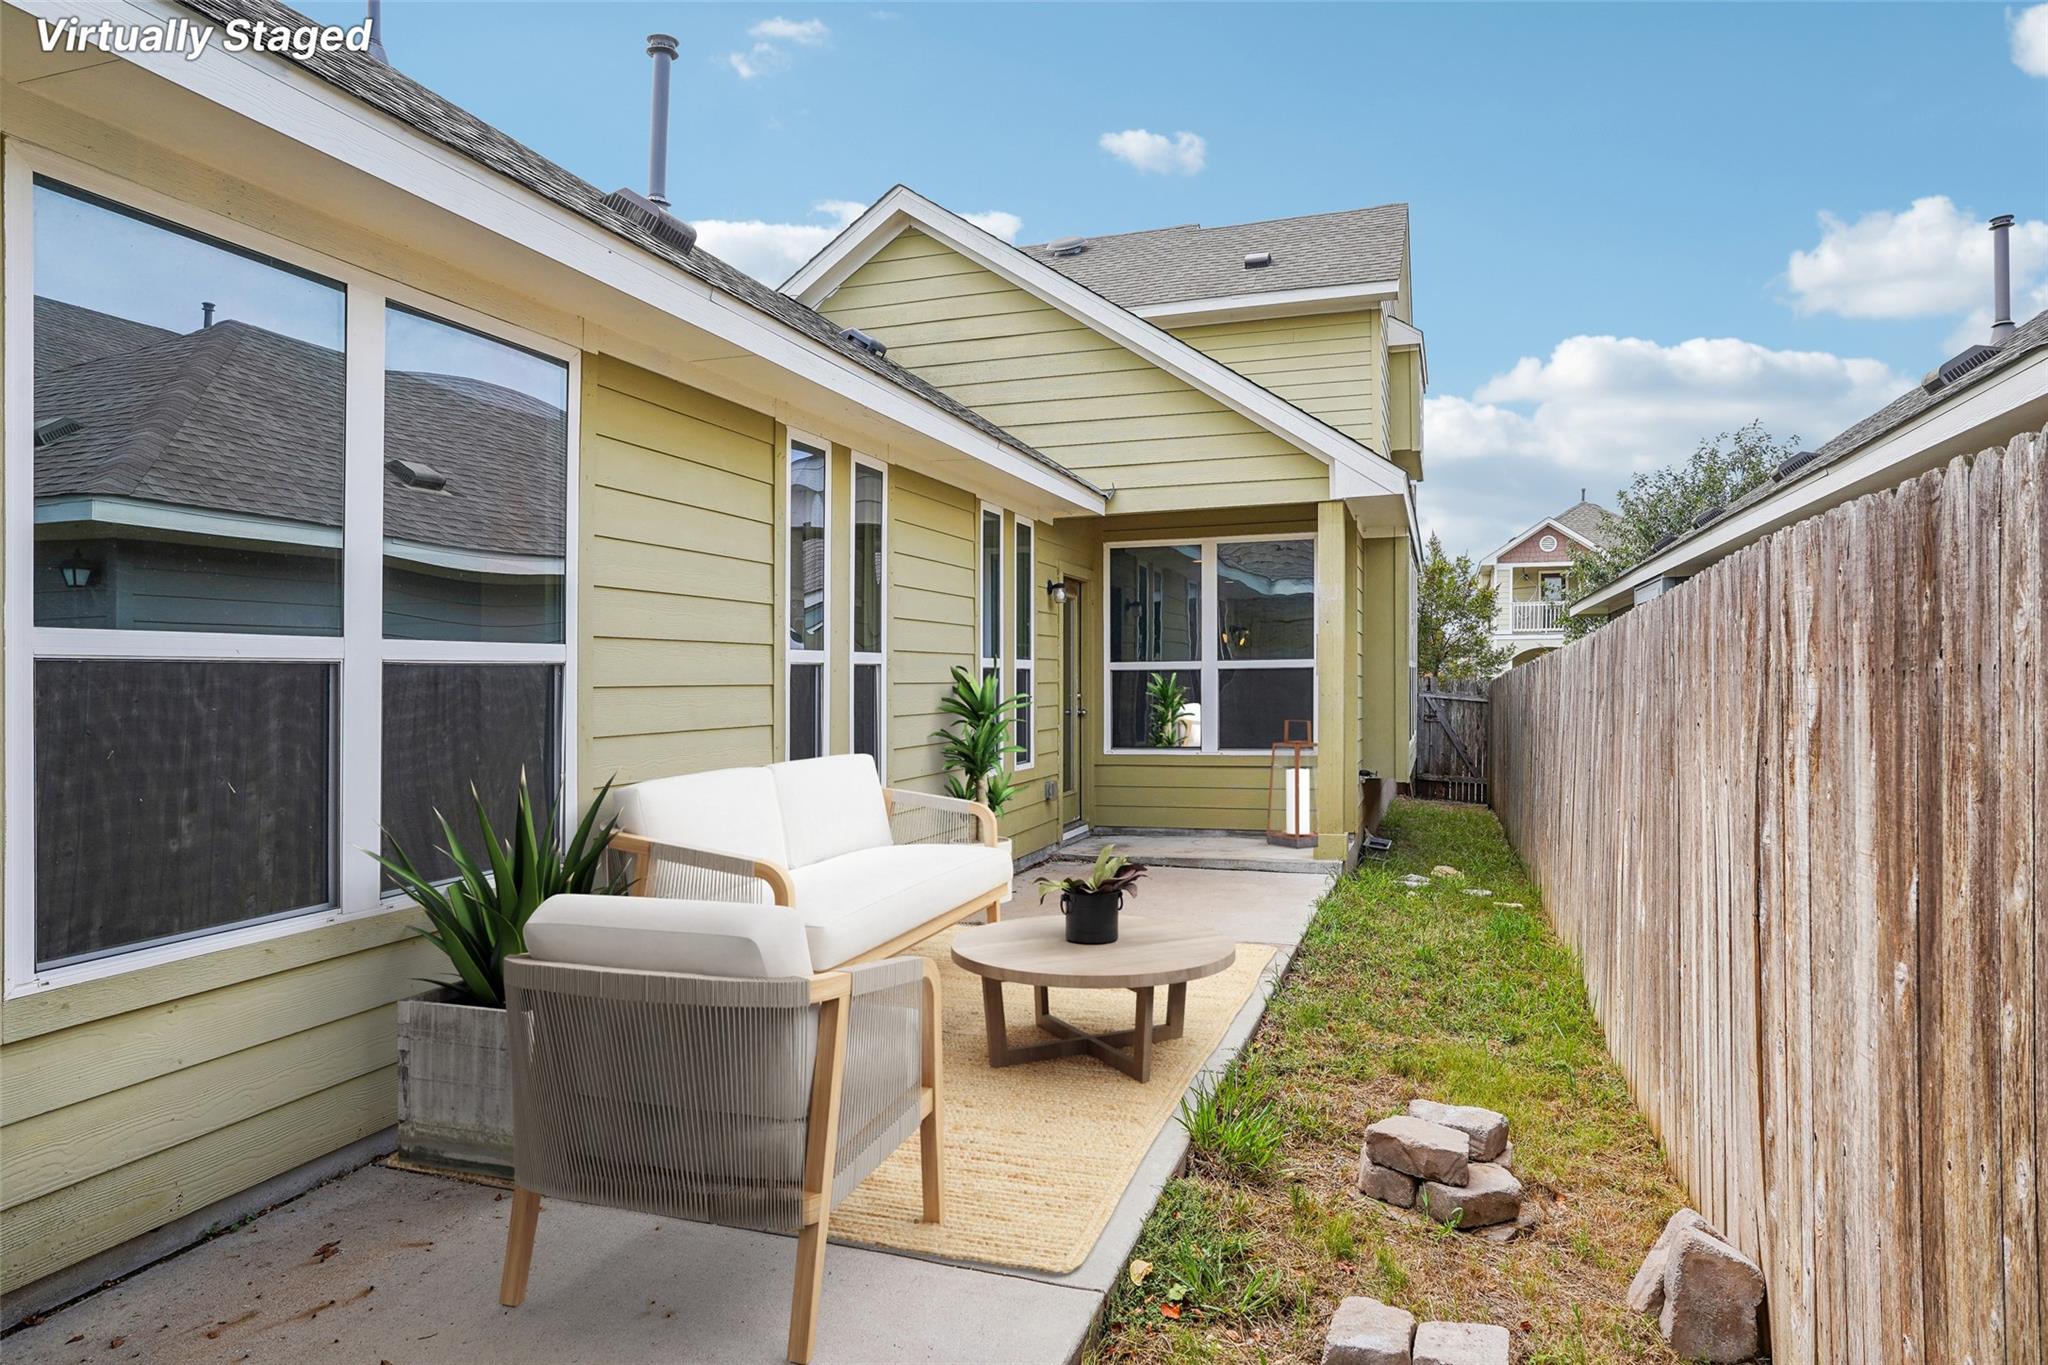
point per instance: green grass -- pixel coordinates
(1396, 993)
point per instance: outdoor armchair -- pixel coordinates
(716, 1078)
(868, 871)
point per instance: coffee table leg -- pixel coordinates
(1141, 1036)
(1176, 1011)
(998, 1027)
(1041, 1003)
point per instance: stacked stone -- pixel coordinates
(1705, 1295)
(1368, 1332)
(1454, 1161)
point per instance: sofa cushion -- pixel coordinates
(859, 901)
(729, 810)
(830, 806)
(653, 934)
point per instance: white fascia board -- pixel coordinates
(1880, 464)
(1404, 336)
(1550, 522)
(329, 121)
(1369, 472)
(1278, 303)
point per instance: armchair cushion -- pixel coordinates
(652, 934)
(859, 901)
(730, 810)
(829, 806)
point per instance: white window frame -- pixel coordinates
(1025, 631)
(1206, 666)
(360, 652)
(822, 655)
(988, 664)
(861, 658)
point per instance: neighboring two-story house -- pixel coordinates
(355, 453)
(1529, 577)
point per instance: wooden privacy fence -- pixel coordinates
(1792, 818)
(1450, 739)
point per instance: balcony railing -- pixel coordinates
(1531, 617)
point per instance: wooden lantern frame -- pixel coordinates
(1286, 756)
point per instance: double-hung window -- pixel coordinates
(1211, 644)
(808, 569)
(1026, 620)
(870, 599)
(287, 567)
(991, 593)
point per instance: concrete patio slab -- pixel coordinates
(389, 1265)
(1219, 850)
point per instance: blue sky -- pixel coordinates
(1632, 225)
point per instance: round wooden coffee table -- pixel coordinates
(1033, 950)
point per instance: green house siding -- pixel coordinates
(678, 579)
(1328, 364)
(1081, 398)
(932, 535)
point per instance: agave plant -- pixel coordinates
(979, 740)
(1112, 872)
(479, 919)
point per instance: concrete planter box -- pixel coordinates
(454, 1086)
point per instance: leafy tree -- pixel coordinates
(1454, 619)
(1665, 502)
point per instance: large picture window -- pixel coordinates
(870, 599)
(287, 565)
(1211, 644)
(805, 605)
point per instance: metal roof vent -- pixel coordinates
(871, 345)
(417, 474)
(1066, 246)
(1949, 371)
(1258, 260)
(1708, 515)
(647, 215)
(1792, 465)
(1663, 540)
(54, 430)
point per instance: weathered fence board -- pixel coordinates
(1791, 817)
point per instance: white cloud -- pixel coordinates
(998, 223)
(1932, 260)
(803, 32)
(2030, 39)
(772, 252)
(760, 60)
(1600, 408)
(1155, 153)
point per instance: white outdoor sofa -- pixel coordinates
(869, 871)
(683, 1058)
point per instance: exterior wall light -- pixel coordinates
(1057, 591)
(78, 571)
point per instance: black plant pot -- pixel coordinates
(1091, 915)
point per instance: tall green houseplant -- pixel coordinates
(979, 739)
(479, 919)
(1165, 698)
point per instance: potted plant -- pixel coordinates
(454, 1076)
(1091, 902)
(978, 741)
(1166, 705)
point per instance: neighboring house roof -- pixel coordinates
(388, 90)
(237, 419)
(1798, 481)
(1583, 522)
(1178, 264)
(1366, 471)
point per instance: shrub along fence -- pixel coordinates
(1792, 816)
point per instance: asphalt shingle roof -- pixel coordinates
(1587, 519)
(390, 91)
(1175, 264)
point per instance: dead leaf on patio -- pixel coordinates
(326, 1251)
(117, 1343)
(1139, 1270)
(1170, 1310)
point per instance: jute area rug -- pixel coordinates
(1038, 1154)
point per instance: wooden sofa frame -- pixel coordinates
(831, 992)
(736, 873)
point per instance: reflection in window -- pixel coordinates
(1155, 709)
(188, 429)
(1266, 612)
(476, 459)
(1155, 603)
(1027, 621)
(177, 797)
(806, 604)
(991, 593)
(870, 486)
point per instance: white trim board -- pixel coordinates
(1494, 558)
(1356, 470)
(2016, 397)
(275, 94)
(1275, 303)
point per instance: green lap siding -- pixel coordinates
(932, 537)
(1328, 364)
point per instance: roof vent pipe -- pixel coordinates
(2001, 279)
(662, 48)
(205, 313)
(376, 17)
